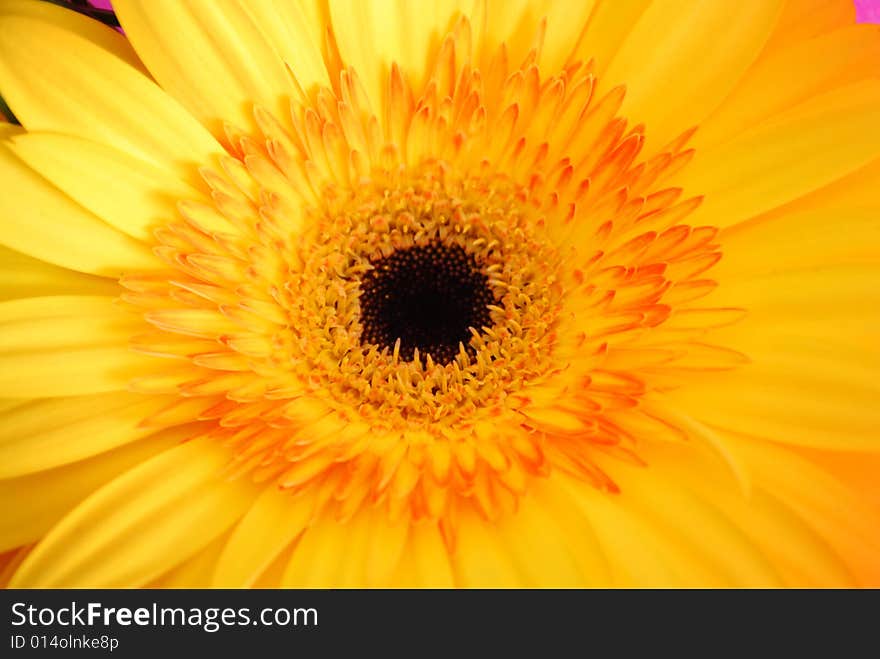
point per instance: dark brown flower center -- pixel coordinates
(429, 297)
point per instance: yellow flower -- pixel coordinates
(462, 293)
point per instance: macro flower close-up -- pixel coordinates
(460, 293)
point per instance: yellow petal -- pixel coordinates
(352, 573)
(791, 75)
(372, 35)
(195, 572)
(606, 30)
(694, 525)
(430, 556)
(797, 390)
(798, 553)
(273, 522)
(297, 32)
(682, 58)
(128, 193)
(577, 534)
(317, 559)
(834, 225)
(858, 471)
(67, 346)
(90, 84)
(805, 19)
(386, 544)
(813, 144)
(209, 55)
(9, 564)
(23, 276)
(816, 308)
(516, 23)
(32, 504)
(141, 524)
(837, 512)
(53, 322)
(481, 558)
(539, 547)
(42, 222)
(70, 372)
(800, 240)
(48, 433)
(640, 552)
(702, 435)
(802, 299)
(811, 339)
(271, 576)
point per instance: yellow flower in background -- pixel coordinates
(476, 293)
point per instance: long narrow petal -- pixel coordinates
(196, 571)
(837, 512)
(133, 195)
(34, 503)
(297, 30)
(24, 276)
(481, 558)
(97, 90)
(141, 524)
(796, 547)
(43, 434)
(645, 548)
(800, 389)
(517, 23)
(317, 558)
(209, 55)
(272, 523)
(56, 229)
(791, 75)
(682, 58)
(372, 35)
(811, 145)
(607, 28)
(67, 346)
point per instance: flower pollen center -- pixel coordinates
(428, 297)
(428, 319)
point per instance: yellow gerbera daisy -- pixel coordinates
(478, 292)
